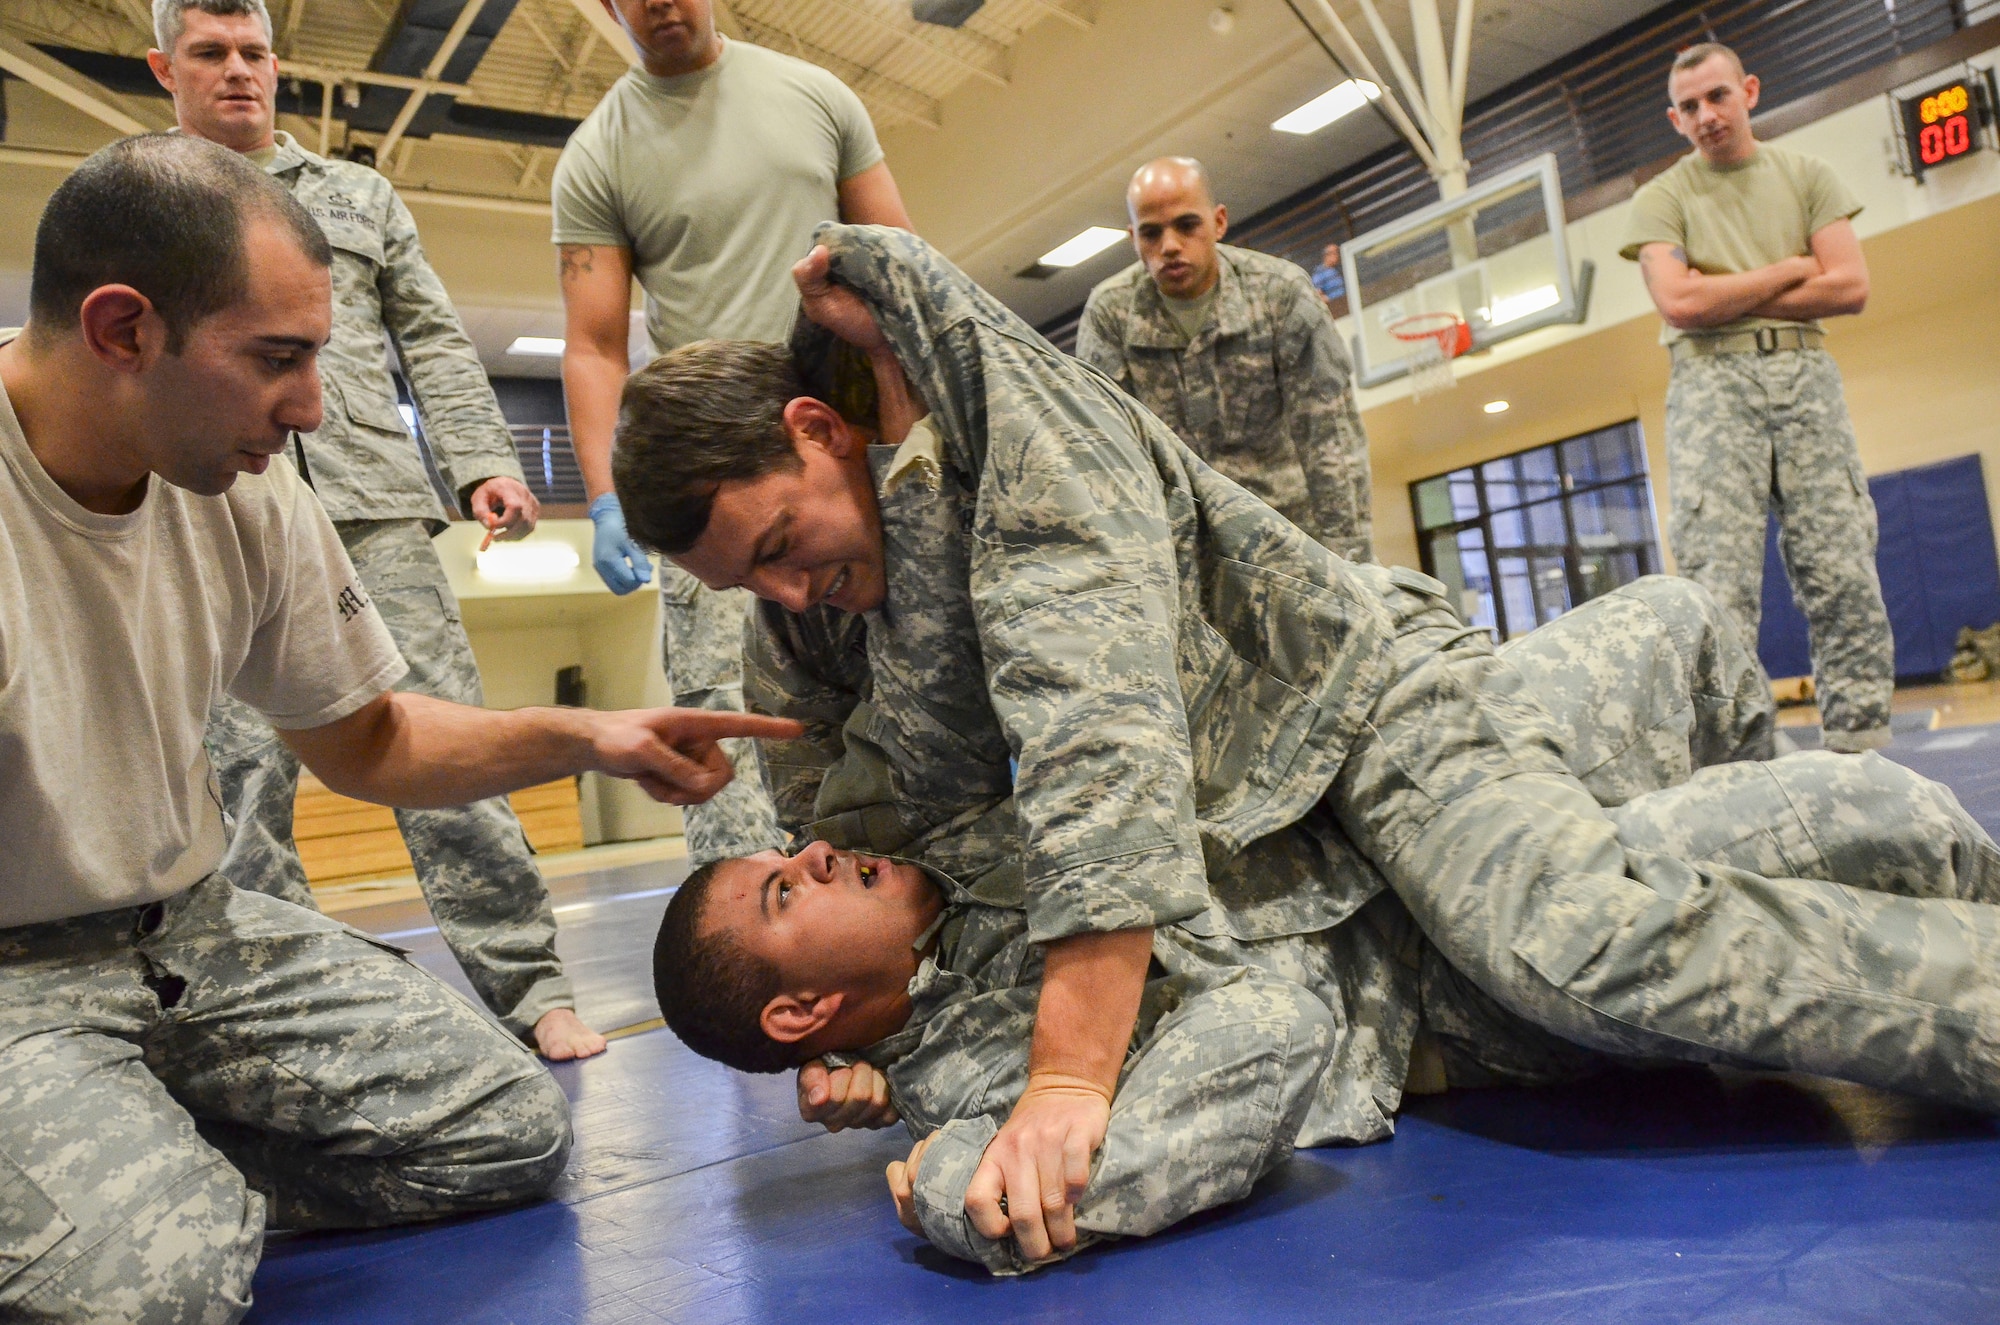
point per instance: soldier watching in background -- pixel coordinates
(1744, 247)
(473, 862)
(702, 174)
(1235, 352)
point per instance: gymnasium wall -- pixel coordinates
(1922, 366)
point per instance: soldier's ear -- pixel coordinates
(811, 420)
(791, 1018)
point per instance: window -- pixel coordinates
(1522, 539)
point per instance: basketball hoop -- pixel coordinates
(1435, 339)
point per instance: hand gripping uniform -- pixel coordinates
(1328, 796)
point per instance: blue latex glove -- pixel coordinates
(620, 562)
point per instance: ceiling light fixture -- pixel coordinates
(1496, 407)
(537, 561)
(1086, 244)
(1324, 109)
(547, 347)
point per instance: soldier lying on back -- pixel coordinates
(922, 986)
(1221, 726)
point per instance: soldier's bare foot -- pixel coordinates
(561, 1035)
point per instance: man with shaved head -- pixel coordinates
(1237, 353)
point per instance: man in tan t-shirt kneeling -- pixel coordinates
(1744, 246)
(180, 1058)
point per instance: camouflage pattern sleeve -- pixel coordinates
(1316, 388)
(1075, 589)
(790, 669)
(1101, 344)
(1227, 1069)
(1077, 595)
(462, 420)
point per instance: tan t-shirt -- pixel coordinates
(117, 634)
(1739, 218)
(714, 180)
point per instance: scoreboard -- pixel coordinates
(1944, 123)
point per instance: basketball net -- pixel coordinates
(1430, 371)
(1435, 340)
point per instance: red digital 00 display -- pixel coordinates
(1941, 125)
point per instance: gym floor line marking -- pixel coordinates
(561, 911)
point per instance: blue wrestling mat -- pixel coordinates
(696, 1195)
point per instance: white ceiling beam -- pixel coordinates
(1358, 58)
(607, 28)
(320, 73)
(1063, 12)
(35, 156)
(290, 35)
(1413, 91)
(924, 111)
(1461, 63)
(910, 37)
(65, 84)
(541, 34)
(141, 16)
(414, 102)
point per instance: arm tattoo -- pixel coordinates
(577, 260)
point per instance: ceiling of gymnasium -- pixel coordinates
(1007, 135)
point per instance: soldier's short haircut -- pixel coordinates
(708, 413)
(712, 990)
(170, 17)
(164, 213)
(1193, 167)
(1702, 51)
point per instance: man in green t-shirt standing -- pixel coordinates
(1744, 246)
(701, 173)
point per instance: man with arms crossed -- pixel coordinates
(181, 1059)
(702, 173)
(1237, 353)
(1744, 247)
(1039, 572)
(478, 876)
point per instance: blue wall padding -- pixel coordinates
(1936, 560)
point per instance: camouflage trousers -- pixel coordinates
(473, 861)
(702, 645)
(173, 1076)
(1749, 434)
(1820, 913)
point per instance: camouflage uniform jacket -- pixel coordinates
(364, 463)
(1176, 669)
(1264, 390)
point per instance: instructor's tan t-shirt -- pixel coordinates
(1739, 218)
(714, 180)
(117, 633)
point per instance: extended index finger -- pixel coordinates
(715, 724)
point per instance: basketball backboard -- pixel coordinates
(1495, 256)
